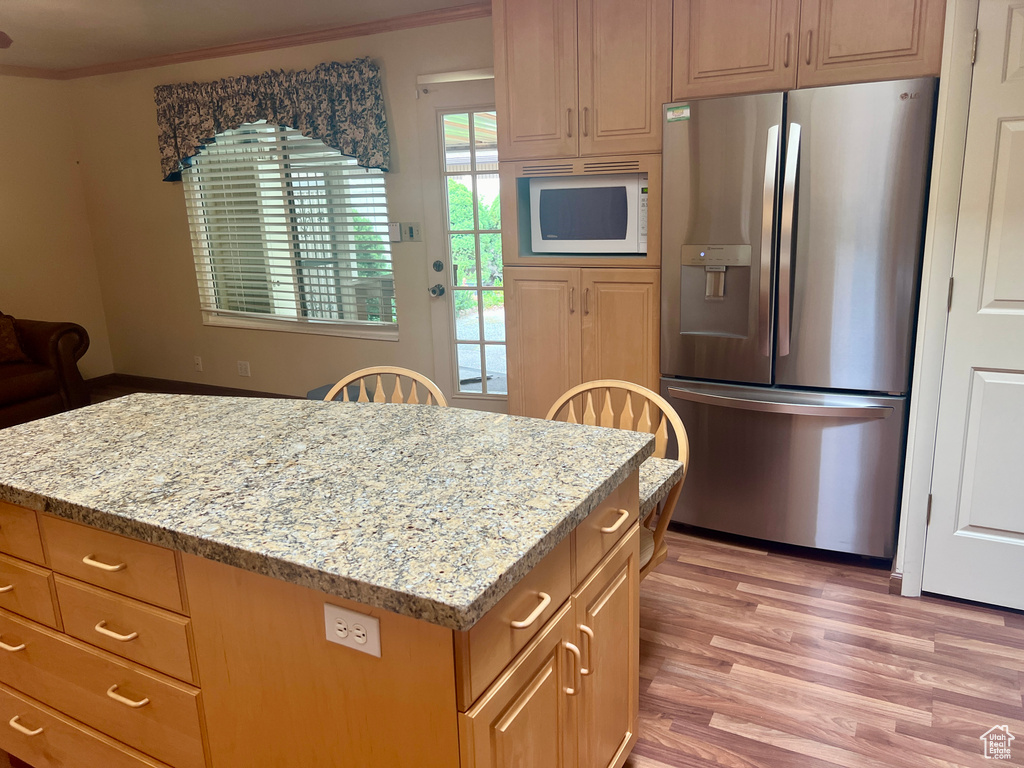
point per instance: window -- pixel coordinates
(287, 230)
(473, 227)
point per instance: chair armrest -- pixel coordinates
(58, 346)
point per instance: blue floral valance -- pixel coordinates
(342, 105)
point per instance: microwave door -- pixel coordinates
(719, 209)
(586, 215)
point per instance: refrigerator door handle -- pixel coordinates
(764, 308)
(790, 409)
(786, 237)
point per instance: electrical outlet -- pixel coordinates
(355, 630)
(243, 368)
(197, 362)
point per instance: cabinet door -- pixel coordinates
(740, 46)
(846, 41)
(528, 717)
(542, 321)
(608, 619)
(625, 52)
(535, 78)
(621, 319)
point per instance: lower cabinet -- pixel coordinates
(567, 325)
(571, 698)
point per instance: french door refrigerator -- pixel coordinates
(792, 235)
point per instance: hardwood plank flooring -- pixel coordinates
(758, 658)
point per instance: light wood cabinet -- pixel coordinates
(566, 326)
(580, 77)
(746, 46)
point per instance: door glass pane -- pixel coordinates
(460, 204)
(470, 368)
(488, 201)
(456, 143)
(490, 259)
(467, 315)
(463, 259)
(486, 143)
(494, 315)
(497, 376)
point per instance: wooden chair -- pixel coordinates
(433, 394)
(629, 406)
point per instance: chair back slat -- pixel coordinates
(589, 416)
(661, 438)
(570, 416)
(645, 424)
(607, 414)
(626, 419)
(434, 396)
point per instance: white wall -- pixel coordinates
(47, 267)
(140, 233)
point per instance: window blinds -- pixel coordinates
(286, 227)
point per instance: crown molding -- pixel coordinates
(409, 21)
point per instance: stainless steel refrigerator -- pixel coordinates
(792, 237)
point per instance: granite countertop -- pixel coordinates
(430, 512)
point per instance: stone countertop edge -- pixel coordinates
(456, 617)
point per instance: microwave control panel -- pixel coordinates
(641, 218)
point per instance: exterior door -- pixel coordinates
(975, 542)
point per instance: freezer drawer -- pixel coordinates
(807, 468)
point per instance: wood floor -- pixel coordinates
(753, 658)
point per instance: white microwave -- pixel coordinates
(589, 214)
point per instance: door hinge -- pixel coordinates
(928, 519)
(974, 48)
(949, 296)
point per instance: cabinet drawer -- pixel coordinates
(56, 741)
(123, 565)
(27, 590)
(482, 652)
(148, 635)
(83, 682)
(19, 533)
(600, 532)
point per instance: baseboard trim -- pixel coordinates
(172, 387)
(896, 583)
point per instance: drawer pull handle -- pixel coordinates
(545, 601)
(590, 649)
(623, 517)
(13, 722)
(12, 648)
(576, 667)
(88, 560)
(112, 693)
(8, 588)
(102, 629)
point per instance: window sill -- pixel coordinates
(382, 332)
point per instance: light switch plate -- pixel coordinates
(355, 630)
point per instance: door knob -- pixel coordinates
(437, 290)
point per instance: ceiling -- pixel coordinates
(73, 34)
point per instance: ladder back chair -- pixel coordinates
(624, 405)
(432, 394)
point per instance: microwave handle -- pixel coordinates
(764, 308)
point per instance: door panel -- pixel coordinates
(847, 41)
(620, 325)
(543, 327)
(608, 605)
(975, 542)
(719, 193)
(624, 68)
(743, 46)
(862, 177)
(806, 468)
(535, 74)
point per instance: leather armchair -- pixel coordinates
(50, 382)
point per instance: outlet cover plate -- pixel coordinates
(340, 625)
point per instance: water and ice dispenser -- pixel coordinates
(714, 290)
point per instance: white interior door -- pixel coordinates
(975, 542)
(462, 230)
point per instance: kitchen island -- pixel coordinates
(498, 556)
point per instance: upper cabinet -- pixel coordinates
(742, 46)
(580, 77)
